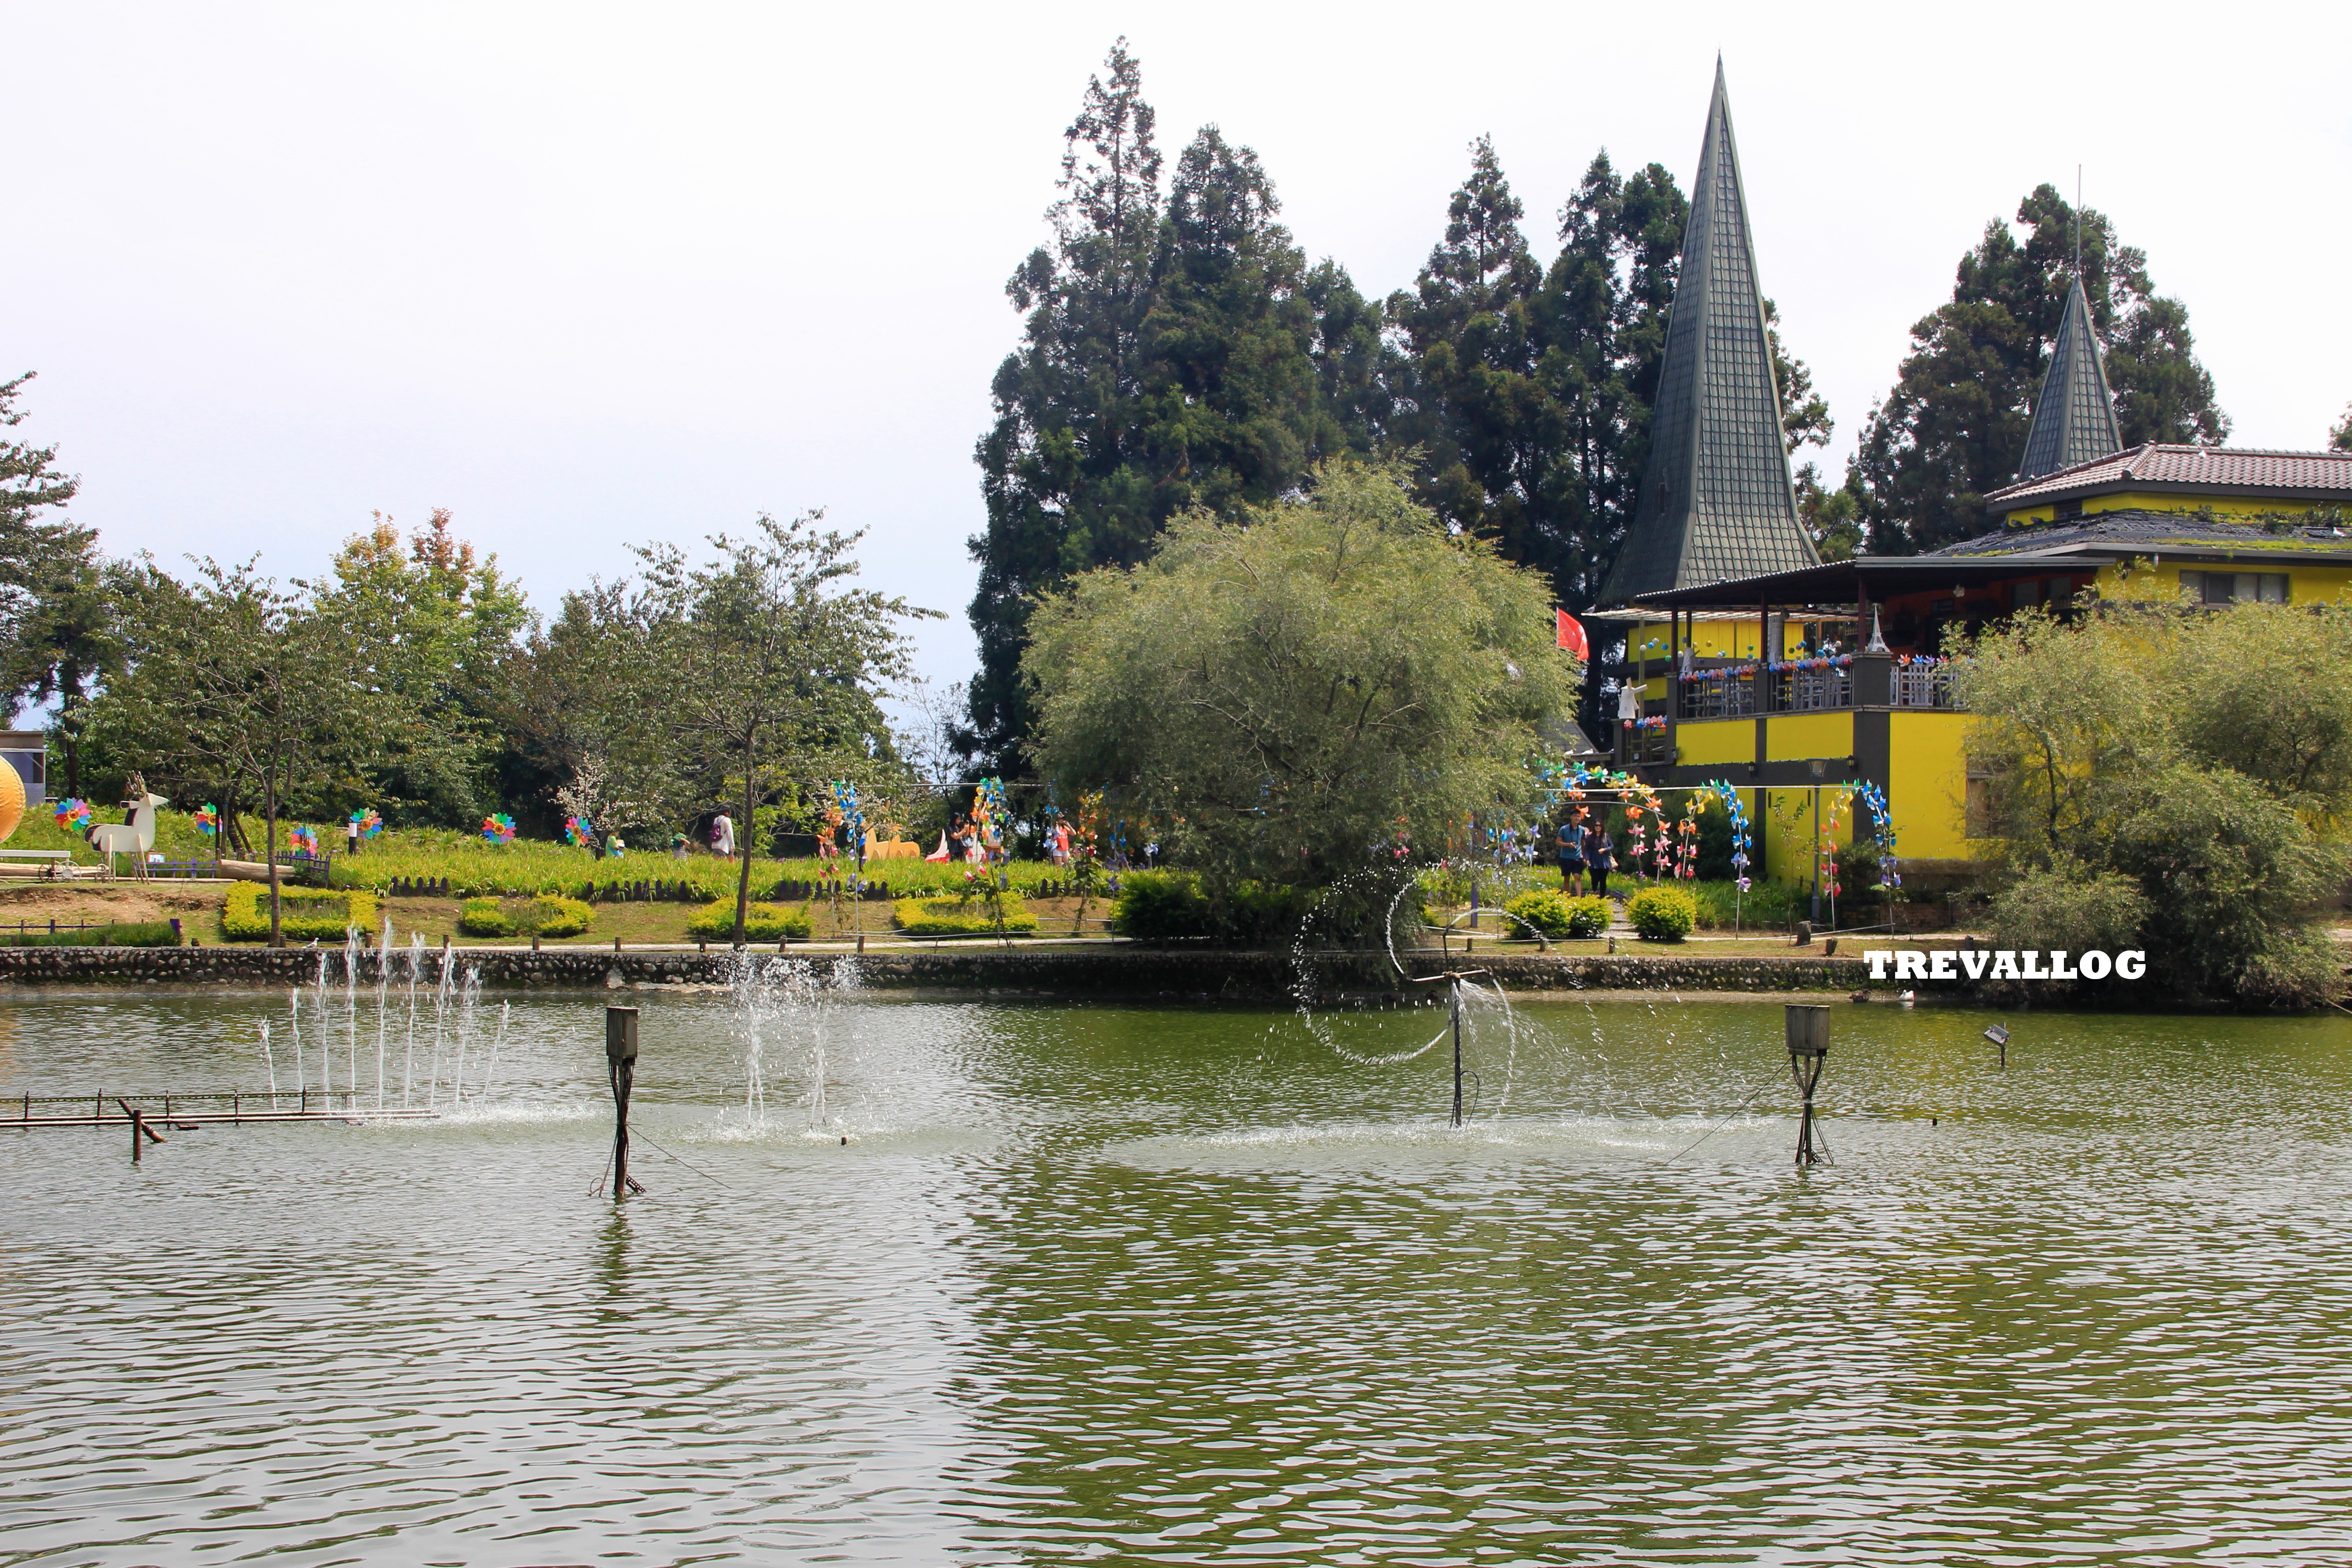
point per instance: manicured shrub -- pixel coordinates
(485, 917)
(305, 913)
(761, 922)
(1558, 916)
(960, 917)
(1662, 914)
(1161, 905)
(549, 915)
(133, 933)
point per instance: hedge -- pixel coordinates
(1661, 913)
(245, 916)
(761, 922)
(129, 933)
(1558, 916)
(960, 917)
(549, 915)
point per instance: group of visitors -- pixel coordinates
(1584, 849)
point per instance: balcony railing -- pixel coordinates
(1801, 686)
(1807, 686)
(1926, 685)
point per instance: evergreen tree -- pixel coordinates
(2339, 439)
(1954, 427)
(1177, 353)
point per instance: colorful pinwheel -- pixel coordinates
(72, 815)
(498, 829)
(579, 832)
(207, 819)
(367, 822)
(303, 841)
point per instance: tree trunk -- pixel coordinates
(743, 871)
(269, 825)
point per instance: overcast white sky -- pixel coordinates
(588, 275)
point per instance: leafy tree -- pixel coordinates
(763, 661)
(244, 689)
(1323, 672)
(2203, 758)
(2339, 439)
(1177, 352)
(429, 625)
(1954, 427)
(60, 598)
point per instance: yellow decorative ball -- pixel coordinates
(12, 800)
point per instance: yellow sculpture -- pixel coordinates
(12, 800)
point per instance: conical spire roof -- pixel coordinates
(2073, 416)
(1715, 499)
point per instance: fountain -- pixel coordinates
(774, 999)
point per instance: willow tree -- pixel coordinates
(1302, 688)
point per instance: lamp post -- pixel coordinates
(1809, 1047)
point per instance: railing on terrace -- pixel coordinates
(1927, 686)
(1807, 686)
(1646, 743)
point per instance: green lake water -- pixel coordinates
(1168, 1286)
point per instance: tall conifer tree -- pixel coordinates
(1178, 352)
(1954, 427)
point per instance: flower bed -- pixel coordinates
(761, 922)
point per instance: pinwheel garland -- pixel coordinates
(72, 815)
(303, 841)
(1686, 845)
(579, 832)
(1872, 799)
(207, 819)
(498, 829)
(1829, 869)
(369, 823)
(1739, 860)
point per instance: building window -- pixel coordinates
(2235, 588)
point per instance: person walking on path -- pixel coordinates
(1572, 858)
(722, 836)
(1599, 857)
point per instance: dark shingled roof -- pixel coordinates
(2074, 416)
(2217, 470)
(2106, 535)
(1716, 501)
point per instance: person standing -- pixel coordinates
(1571, 850)
(1599, 857)
(722, 836)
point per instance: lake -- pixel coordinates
(998, 1283)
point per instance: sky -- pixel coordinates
(587, 275)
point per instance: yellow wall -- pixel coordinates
(1794, 737)
(1709, 639)
(1704, 742)
(2308, 583)
(2247, 508)
(1926, 786)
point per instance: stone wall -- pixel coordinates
(1126, 972)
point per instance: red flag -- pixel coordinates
(1572, 635)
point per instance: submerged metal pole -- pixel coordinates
(1809, 1046)
(1456, 993)
(621, 1058)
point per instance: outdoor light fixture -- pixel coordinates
(1999, 1036)
(1808, 1028)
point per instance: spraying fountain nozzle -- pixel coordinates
(1807, 1028)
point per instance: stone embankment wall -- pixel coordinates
(1125, 972)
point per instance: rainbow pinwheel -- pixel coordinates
(207, 819)
(303, 841)
(498, 829)
(579, 832)
(72, 815)
(367, 822)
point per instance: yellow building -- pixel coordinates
(1750, 661)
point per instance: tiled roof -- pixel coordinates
(2216, 468)
(2135, 531)
(1715, 501)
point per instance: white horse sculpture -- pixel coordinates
(134, 836)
